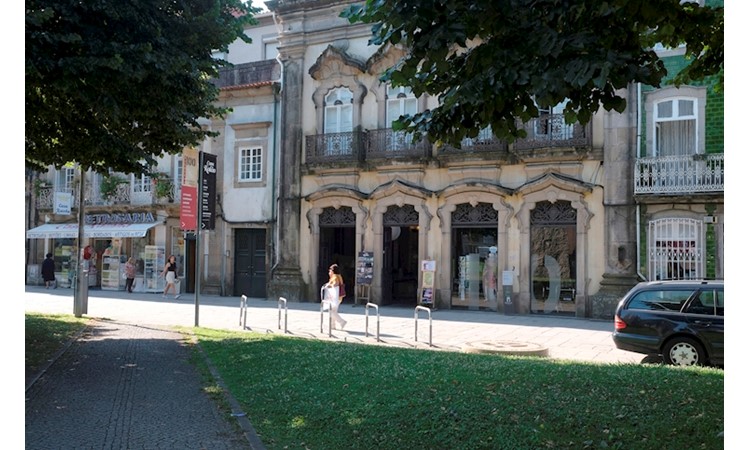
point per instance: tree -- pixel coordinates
(494, 62)
(118, 83)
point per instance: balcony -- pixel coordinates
(124, 195)
(676, 175)
(485, 142)
(248, 74)
(550, 130)
(387, 144)
(344, 147)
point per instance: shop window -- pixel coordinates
(553, 258)
(475, 256)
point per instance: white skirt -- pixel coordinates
(170, 277)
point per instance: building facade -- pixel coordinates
(563, 221)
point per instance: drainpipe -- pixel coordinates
(638, 206)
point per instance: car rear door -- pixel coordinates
(705, 318)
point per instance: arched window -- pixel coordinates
(400, 100)
(338, 111)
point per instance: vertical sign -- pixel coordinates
(189, 196)
(208, 191)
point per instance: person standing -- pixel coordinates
(336, 281)
(129, 274)
(170, 275)
(48, 271)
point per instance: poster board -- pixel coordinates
(427, 292)
(364, 268)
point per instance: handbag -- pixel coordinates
(342, 290)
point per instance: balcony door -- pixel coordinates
(400, 101)
(338, 122)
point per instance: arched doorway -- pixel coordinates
(337, 245)
(400, 255)
(553, 258)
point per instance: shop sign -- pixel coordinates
(118, 218)
(188, 208)
(63, 203)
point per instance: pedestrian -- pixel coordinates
(336, 283)
(170, 275)
(48, 272)
(130, 275)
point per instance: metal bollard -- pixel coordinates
(243, 311)
(367, 320)
(283, 300)
(416, 320)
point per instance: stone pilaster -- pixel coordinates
(620, 244)
(286, 276)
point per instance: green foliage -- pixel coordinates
(113, 84)
(301, 393)
(109, 184)
(492, 62)
(163, 187)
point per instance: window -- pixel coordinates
(141, 183)
(675, 127)
(65, 177)
(666, 300)
(338, 111)
(708, 302)
(676, 249)
(251, 164)
(551, 123)
(399, 101)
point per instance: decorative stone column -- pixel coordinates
(286, 277)
(620, 249)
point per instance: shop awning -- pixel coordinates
(70, 230)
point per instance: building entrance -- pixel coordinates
(553, 258)
(400, 255)
(337, 246)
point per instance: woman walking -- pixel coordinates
(170, 275)
(336, 281)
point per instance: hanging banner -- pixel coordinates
(208, 191)
(189, 190)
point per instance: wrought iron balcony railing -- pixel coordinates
(124, 195)
(248, 73)
(386, 143)
(334, 147)
(679, 174)
(484, 142)
(550, 130)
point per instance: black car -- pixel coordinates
(681, 321)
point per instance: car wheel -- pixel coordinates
(684, 351)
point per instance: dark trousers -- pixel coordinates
(129, 284)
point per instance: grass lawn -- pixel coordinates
(309, 394)
(45, 335)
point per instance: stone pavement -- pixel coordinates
(128, 384)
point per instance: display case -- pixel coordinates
(112, 269)
(153, 265)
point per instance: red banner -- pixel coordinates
(189, 208)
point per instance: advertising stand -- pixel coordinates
(427, 292)
(153, 265)
(363, 278)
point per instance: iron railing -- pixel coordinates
(550, 130)
(124, 195)
(679, 174)
(387, 143)
(249, 73)
(334, 147)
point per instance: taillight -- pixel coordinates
(619, 323)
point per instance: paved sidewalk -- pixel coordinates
(127, 383)
(124, 386)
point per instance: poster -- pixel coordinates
(364, 268)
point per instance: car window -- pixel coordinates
(704, 303)
(661, 300)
